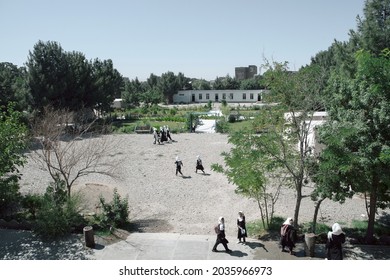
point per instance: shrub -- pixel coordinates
(222, 126)
(32, 203)
(58, 214)
(114, 214)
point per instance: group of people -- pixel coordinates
(333, 246)
(288, 237)
(221, 235)
(162, 135)
(179, 164)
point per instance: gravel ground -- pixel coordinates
(160, 201)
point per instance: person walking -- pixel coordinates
(155, 136)
(168, 134)
(334, 243)
(241, 232)
(288, 235)
(179, 164)
(199, 165)
(221, 237)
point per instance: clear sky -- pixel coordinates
(200, 38)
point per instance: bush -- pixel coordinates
(222, 126)
(58, 214)
(116, 213)
(32, 203)
(232, 118)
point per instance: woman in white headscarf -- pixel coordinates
(336, 238)
(241, 225)
(221, 237)
(288, 235)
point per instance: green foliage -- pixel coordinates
(357, 138)
(58, 214)
(222, 126)
(115, 213)
(12, 143)
(32, 203)
(231, 118)
(67, 80)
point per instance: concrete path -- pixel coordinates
(171, 246)
(23, 245)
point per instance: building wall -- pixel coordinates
(243, 73)
(231, 96)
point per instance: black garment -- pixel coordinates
(221, 239)
(169, 135)
(179, 164)
(241, 226)
(334, 250)
(163, 136)
(288, 237)
(199, 165)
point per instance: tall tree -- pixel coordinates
(299, 95)
(357, 137)
(108, 83)
(48, 70)
(13, 86)
(253, 169)
(373, 32)
(168, 86)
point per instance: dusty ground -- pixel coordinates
(160, 201)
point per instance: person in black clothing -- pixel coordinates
(199, 165)
(168, 133)
(288, 235)
(336, 238)
(179, 164)
(221, 237)
(241, 233)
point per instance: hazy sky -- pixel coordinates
(200, 38)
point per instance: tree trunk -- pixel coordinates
(369, 238)
(297, 204)
(316, 209)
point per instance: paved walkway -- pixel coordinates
(171, 246)
(23, 245)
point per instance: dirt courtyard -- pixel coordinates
(160, 201)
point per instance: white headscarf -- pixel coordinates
(289, 221)
(177, 158)
(197, 157)
(336, 230)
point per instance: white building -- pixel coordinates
(230, 95)
(317, 119)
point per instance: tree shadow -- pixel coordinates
(24, 245)
(149, 225)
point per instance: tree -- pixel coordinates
(69, 149)
(13, 86)
(108, 83)
(373, 32)
(253, 83)
(357, 137)
(168, 85)
(288, 125)
(201, 84)
(48, 70)
(133, 91)
(67, 80)
(12, 144)
(253, 172)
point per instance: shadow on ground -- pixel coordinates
(22, 245)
